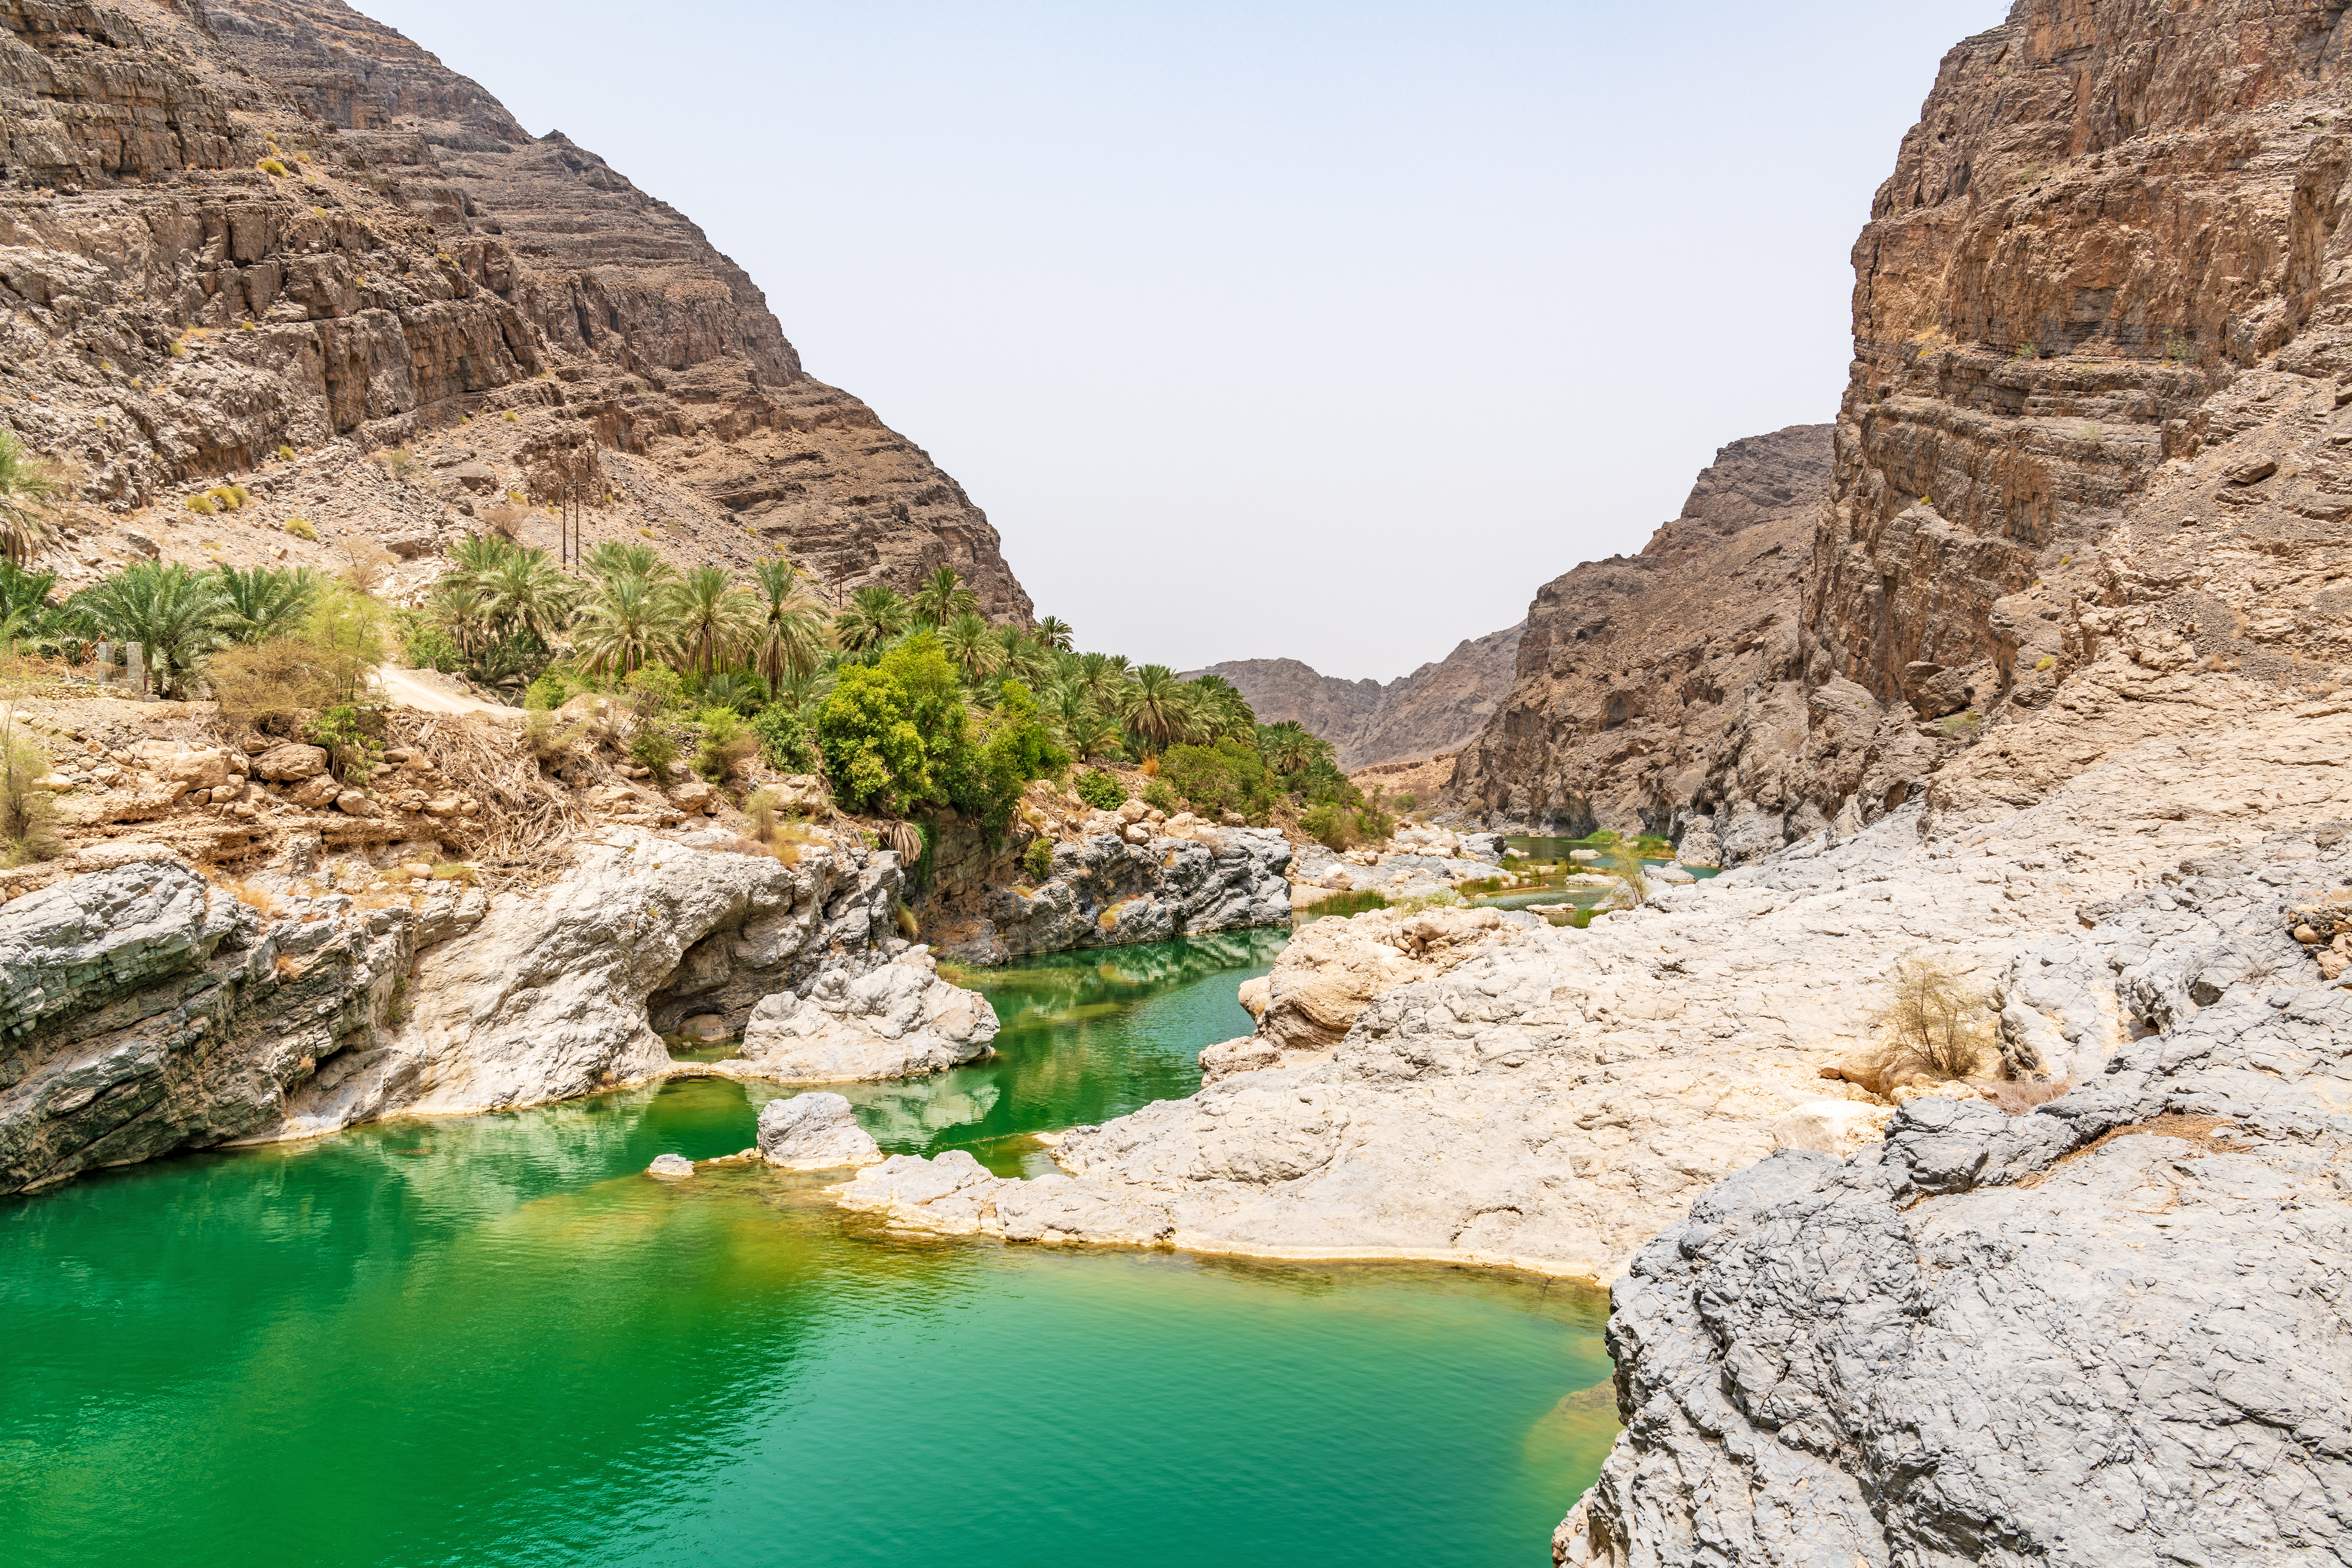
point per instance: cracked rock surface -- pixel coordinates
(894, 1020)
(2113, 1331)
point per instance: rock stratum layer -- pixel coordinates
(178, 311)
(1435, 708)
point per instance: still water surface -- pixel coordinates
(492, 1341)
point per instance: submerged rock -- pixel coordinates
(814, 1133)
(892, 1021)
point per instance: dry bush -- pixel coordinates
(527, 825)
(548, 740)
(1931, 1023)
(288, 966)
(269, 686)
(369, 562)
(259, 900)
(505, 520)
(2015, 1097)
(28, 816)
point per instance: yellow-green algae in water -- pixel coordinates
(493, 1341)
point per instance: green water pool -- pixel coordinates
(492, 1341)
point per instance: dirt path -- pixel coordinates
(422, 689)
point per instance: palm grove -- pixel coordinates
(912, 707)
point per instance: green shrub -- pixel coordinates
(1329, 823)
(784, 739)
(300, 528)
(348, 733)
(1159, 796)
(271, 166)
(1102, 790)
(727, 744)
(1038, 859)
(873, 754)
(1227, 776)
(654, 749)
(652, 688)
(201, 505)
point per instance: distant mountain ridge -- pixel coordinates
(1435, 708)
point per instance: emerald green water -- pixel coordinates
(493, 1341)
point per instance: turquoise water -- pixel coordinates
(492, 1341)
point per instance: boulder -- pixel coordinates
(893, 1021)
(205, 769)
(315, 793)
(290, 763)
(693, 795)
(814, 1133)
(670, 1166)
(355, 802)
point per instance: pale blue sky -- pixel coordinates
(1311, 330)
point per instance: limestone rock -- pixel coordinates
(1818, 1358)
(814, 1133)
(316, 792)
(288, 762)
(670, 1166)
(1106, 892)
(892, 1021)
(1837, 1127)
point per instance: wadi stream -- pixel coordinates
(493, 1341)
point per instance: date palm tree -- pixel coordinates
(875, 615)
(713, 618)
(175, 614)
(1287, 745)
(262, 603)
(1055, 633)
(972, 647)
(943, 597)
(1157, 709)
(26, 487)
(612, 559)
(792, 638)
(625, 622)
(526, 591)
(1104, 675)
(1025, 658)
(1221, 710)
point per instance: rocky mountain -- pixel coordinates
(1433, 709)
(1647, 685)
(260, 240)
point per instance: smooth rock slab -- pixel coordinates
(670, 1166)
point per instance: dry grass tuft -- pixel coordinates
(2199, 1130)
(262, 902)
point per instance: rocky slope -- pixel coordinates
(1651, 687)
(1433, 709)
(424, 277)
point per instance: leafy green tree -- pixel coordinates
(176, 615)
(873, 753)
(875, 615)
(981, 774)
(26, 487)
(784, 739)
(942, 598)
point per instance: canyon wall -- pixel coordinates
(1650, 685)
(1431, 710)
(258, 238)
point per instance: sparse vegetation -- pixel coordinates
(1930, 1025)
(1101, 790)
(272, 167)
(1037, 860)
(300, 528)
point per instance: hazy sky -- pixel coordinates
(1312, 329)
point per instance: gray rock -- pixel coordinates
(2107, 1331)
(891, 1021)
(814, 1133)
(670, 1166)
(1106, 892)
(1487, 847)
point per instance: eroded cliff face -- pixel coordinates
(2101, 342)
(179, 313)
(1430, 712)
(1651, 685)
